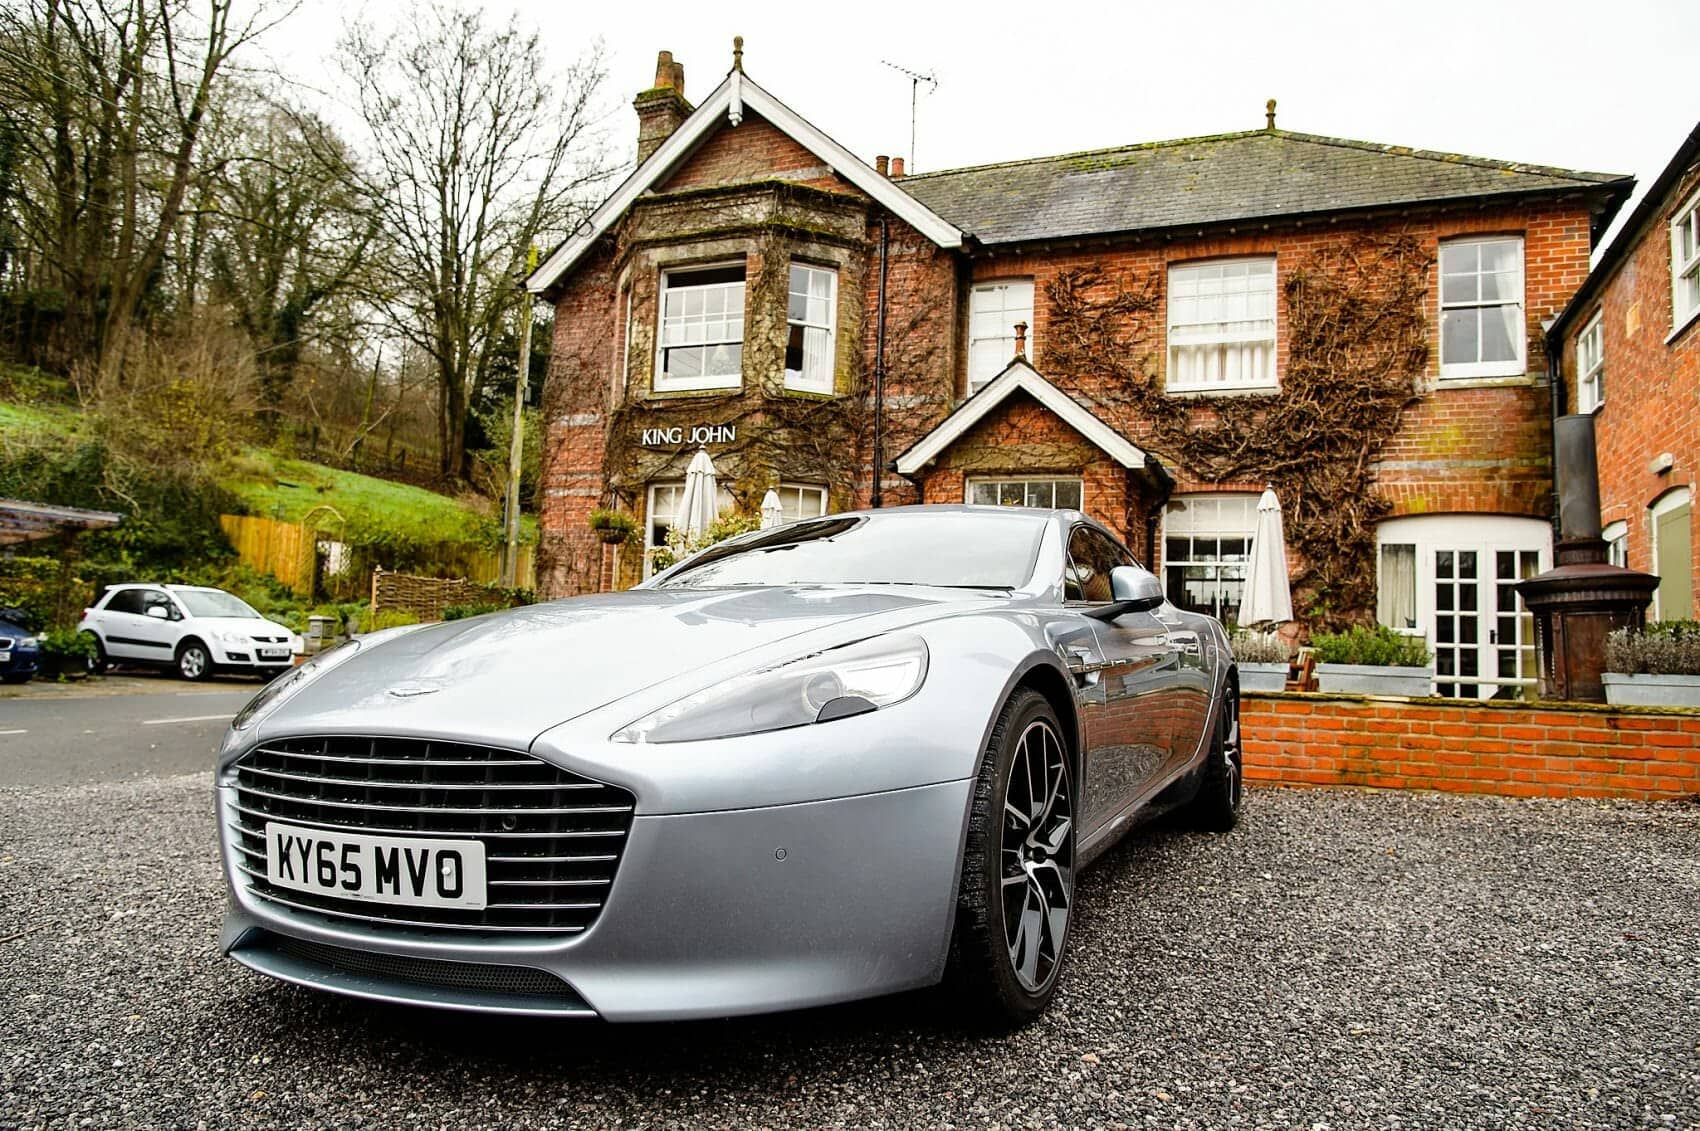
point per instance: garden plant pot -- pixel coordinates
(1641, 690)
(1365, 679)
(1263, 677)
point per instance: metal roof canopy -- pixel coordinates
(28, 522)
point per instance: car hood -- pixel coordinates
(247, 626)
(508, 677)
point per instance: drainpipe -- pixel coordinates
(879, 372)
(1555, 402)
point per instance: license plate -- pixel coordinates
(413, 871)
(274, 653)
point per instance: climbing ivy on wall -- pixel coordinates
(1357, 347)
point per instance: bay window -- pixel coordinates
(701, 342)
(811, 318)
(1481, 308)
(993, 310)
(1222, 325)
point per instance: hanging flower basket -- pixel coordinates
(613, 527)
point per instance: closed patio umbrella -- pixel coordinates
(1268, 598)
(700, 505)
(772, 510)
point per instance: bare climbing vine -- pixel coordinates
(1357, 347)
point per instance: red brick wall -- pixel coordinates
(1652, 387)
(1503, 748)
(750, 151)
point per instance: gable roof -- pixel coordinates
(1227, 177)
(736, 93)
(1634, 230)
(1018, 376)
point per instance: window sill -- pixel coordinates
(1512, 381)
(811, 394)
(686, 394)
(1223, 391)
(1683, 326)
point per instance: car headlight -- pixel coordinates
(27, 642)
(235, 638)
(834, 684)
(290, 682)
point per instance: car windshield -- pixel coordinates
(951, 548)
(214, 603)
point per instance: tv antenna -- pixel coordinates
(916, 78)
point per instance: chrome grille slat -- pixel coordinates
(512, 809)
(458, 785)
(532, 812)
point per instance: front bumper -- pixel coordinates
(710, 915)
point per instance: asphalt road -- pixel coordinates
(1341, 960)
(114, 731)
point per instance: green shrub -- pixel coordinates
(461, 612)
(1378, 647)
(1258, 647)
(388, 618)
(68, 644)
(1667, 647)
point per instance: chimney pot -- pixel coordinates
(882, 165)
(1021, 340)
(1269, 114)
(662, 108)
(896, 167)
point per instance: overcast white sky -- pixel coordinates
(1610, 87)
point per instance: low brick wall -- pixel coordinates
(1523, 750)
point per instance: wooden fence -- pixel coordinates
(288, 551)
(425, 597)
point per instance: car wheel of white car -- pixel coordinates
(193, 661)
(1016, 898)
(97, 658)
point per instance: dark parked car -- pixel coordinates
(20, 654)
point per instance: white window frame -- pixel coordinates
(649, 543)
(663, 383)
(801, 380)
(1028, 483)
(981, 331)
(1213, 528)
(803, 492)
(1215, 334)
(1515, 367)
(1590, 365)
(1685, 269)
(1616, 537)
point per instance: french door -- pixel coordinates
(1453, 578)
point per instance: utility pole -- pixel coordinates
(916, 78)
(516, 441)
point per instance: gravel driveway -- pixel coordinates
(1342, 960)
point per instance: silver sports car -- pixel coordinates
(838, 758)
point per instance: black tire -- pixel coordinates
(193, 661)
(1216, 808)
(995, 920)
(16, 677)
(97, 663)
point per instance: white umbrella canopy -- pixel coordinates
(701, 503)
(1268, 597)
(772, 510)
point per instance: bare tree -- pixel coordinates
(109, 99)
(477, 148)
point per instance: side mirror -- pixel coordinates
(157, 612)
(1132, 590)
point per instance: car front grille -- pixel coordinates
(552, 839)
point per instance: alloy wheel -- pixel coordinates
(192, 663)
(1037, 857)
(1233, 760)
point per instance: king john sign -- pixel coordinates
(695, 434)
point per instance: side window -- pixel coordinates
(125, 601)
(1091, 557)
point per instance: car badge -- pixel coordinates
(410, 690)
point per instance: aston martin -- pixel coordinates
(838, 758)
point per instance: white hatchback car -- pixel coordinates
(193, 629)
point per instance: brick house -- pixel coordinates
(1152, 333)
(1629, 344)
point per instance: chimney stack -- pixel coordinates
(896, 167)
(882, 165)
(662, 108)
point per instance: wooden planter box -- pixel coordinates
(1263, 677)
(1367, 680)
(1642, 690)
